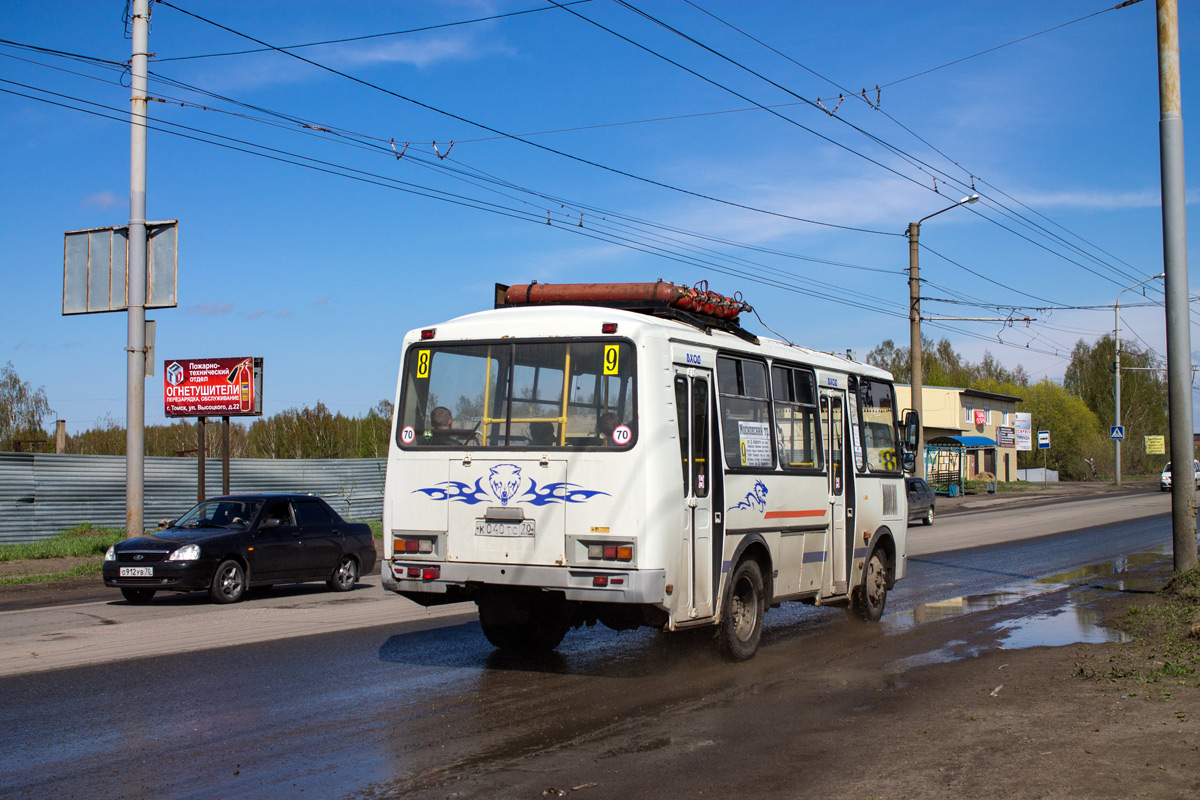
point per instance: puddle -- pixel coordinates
(1067, 624)
(955, 650)
(956, 606)
(1064, 625)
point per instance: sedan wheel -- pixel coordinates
(345, 576)
(928, 518)
(229, 584)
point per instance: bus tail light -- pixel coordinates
(600, 580)
(413, 544)
(610, 552)
(418, 573)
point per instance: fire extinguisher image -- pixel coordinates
(247, 403)
(241, 376)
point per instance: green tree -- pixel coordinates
(1075, 432)
(942, 365)
(23, 409)
(1143, 396)
(107, 438)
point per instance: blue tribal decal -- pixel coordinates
(557, 493)
(756, 498)
(504, 481)
(458, 492)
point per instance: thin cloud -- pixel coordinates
(1101, 200)
(323, 301)
(103, 200)
(256, 314)
(209, 309)
(419, 53)
(287, 312)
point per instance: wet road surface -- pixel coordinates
(429, 709)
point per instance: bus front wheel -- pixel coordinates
(868, 599)
(742, 613)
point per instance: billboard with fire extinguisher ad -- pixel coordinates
(213, 387)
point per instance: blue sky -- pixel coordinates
(623, 152)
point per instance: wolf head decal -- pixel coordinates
(505, 479)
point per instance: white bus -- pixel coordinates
(597, 453)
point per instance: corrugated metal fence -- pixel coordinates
(42, 494)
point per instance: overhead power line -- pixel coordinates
(827, 292)
(544, 148)
(366, 37)
(1008, 44)
(912, 160)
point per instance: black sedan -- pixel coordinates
(229, 544)
(921, 501)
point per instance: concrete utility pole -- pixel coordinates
(1117, 370)
(914, 328)
(135, 405)
(1179, 347)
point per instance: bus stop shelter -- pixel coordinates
(946, 461)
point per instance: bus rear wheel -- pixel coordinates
(742, 613)
(868, 599)
(518, 623)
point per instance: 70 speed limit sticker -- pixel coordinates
(408, 435)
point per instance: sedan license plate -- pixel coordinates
(486, 527)
(137, 572)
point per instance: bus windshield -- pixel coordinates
(535, 394)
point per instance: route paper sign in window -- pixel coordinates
(213, 387)
(755, 443)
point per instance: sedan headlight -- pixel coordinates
(111, 555)
(189, 552)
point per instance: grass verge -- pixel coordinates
(81, 571)
(1165, 651)
(81, 541)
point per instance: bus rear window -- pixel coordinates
(547, 394)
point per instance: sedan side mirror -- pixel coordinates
(270, 523)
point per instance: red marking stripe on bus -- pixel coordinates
(792, 514)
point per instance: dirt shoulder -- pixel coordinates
(940, 711)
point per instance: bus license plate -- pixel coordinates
(137, 572)
(484, 527)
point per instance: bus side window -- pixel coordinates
(745, 413)
(796, 421)
(681, 415)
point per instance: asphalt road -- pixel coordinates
(248, 706)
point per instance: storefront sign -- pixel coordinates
(1023, 426)
(1006, 437)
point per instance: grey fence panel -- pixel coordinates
(42, 494)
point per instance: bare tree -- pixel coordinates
(22, 408)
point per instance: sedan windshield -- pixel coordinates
(223, 513)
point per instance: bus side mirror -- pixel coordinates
(911, 433)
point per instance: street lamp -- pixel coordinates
(914, 326)
(1117, 367)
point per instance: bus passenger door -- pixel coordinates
(833, 421)
(693, 401)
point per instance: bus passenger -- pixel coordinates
(441, 420)
(542, 433)
(605, 426)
